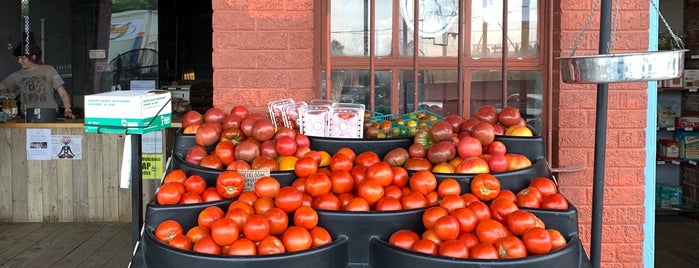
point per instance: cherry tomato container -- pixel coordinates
(533, 148)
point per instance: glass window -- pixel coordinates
(350, 27)
(487, 27)
(353, 86)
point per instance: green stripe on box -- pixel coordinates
(135, 126)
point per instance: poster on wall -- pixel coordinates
(38, 144)
(66, 147)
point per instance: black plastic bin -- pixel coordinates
(379, 146)
(533, 148)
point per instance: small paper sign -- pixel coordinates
(251, 176)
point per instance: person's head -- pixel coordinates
(27, 54)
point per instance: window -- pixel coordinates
(371, 54)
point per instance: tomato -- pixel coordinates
(557, 239)
(400, 176)
(306, 200)
(423, 182)
(296, 239)
(317, 184)
(483, 251)
(446, 228)
(288, 199)
(270, 245)
(315, 154)
(388, 203)
(345, 199)
(305, 166)
(432, 198)
(452, 202)
(366, 159)
(501, 208)
(192, 117)
(250, 209)
(341, 181)
(240, 111)
(348, 152)
(467, 219)
(286, 146)
(207, 134)
(381, 172)
(417, 164)
(207, 245)
(168, 229)
(225, 151)
(224, 231)
(195, 184)
(537, 240)
(469, 239)
(242, 247)
(529, 197)
(393, 191)
(413, 200)
(520, 221)
(211, 161)
(431, 215)
(238, 165)
(197, 232)
(210, 194)
(248, 197)
(195, 154)
(507, 194)
(371, 190)
(263, 204)
(320, 236)
(264, 162)
(232, 134)
(176, 175)
(426, 246)
(180, 241)
(448, 186)
(481, 209)
(490, 230)
(239, 215)
(170, 193)
(359, 174)
(327, 201)
(485, 186)
(299, 184)
(306, 217)
(267, 186)
(256, 228)
(340, 162)
(510, 247)
(190, 198)
(554, 201)
(469, 198)
(546, 186)
(453, 248)
(278, 220)
(209, 215)
(403, 238)
(230, 184)
(324, 158)
(357, 204)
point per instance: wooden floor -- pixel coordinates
(87, 245)
(65, 245)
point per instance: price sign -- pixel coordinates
(251, 176)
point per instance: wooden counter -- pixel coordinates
(60, 190)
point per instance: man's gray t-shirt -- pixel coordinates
(35, 87)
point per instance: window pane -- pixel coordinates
(486, 28)
(352, 86)
(438, 91)
(350, 22)
(438, 28)
(524, 90)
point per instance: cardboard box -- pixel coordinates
(691, 79)
(668, 195)
(131, 112)
(686, 121)
(689, 145)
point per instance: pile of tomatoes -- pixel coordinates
(178, 188)
(483, 224)
(259, 222)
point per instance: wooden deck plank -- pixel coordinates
(110, 177)
(55, 246)
(20, 212)
(5, 178)
(95, 189)
(18, 245)
(35, 191)
(99, 248)
(50, 183)
(80, 181)
(115, 252)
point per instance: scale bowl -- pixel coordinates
(624, 67)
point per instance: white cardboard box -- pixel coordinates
(130, 112)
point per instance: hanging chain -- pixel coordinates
(584, 27)
(612, 32)
(679, 41)
(25, 15)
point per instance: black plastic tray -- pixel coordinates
(183, 142)
(379, 146)
(155, 214)
(533, 148)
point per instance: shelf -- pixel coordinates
(676, 128)
(678, 89)
(676, 162)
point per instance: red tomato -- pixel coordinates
(388, 203)
(239, 215)
(380, 172)
(528, 199)
(393, 191)
(190, 198)
(481, 209)
(423, 182)
(484, 251)
(485, 186)
(490, 230)
(400, 176)
(225, 151)
(546, 186)
(345, 199)
(230, 184)
(403, 238)
(306, 217)
(446, 228)
(340, 162)
(250, 209)
(195, 184)
(297, 238)
(533, 191)
(210, 194)
(452, 202)
(327, 201)
(320, 236)
(305, 166)
(501, 208)
(197, 232)
(557, 239)
(342, 181)
(426, 246)
(537, 240)
(370, 190)
(299, 184)
(286, 146)
(192, 117)
(510, 247)
(224, 231)
(317, 184)
(431, 215)
(359, 174)
(209, 215)
(453, 248)
(366, 159)
(262, 204)
(242, 247)
(432, 198)
(278, 220)
(267, 187)
(256, 228)
(554, 201)
(176, 175)
(248, 197)
(207, 245)
(180, 241)
(449, 186)
(170, 193)
(348, 152)
(307, 200)
(467, 219)
(211, 161)
(413, 200)
(270, 245)
(288, 199)
(507, 194)
(168, 229)
(469, 198)
(469, 239)
(520, 221)
(357, 204)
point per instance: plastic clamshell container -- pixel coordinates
(379, 146)
(533, 148)
(346, 122)
(292, 116)
(315, 120)
(276, 111)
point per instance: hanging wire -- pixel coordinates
(678, 41)
(612, 32)
(584, 27)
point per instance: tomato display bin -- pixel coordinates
(155, 214)
(379, 146)
(182, 143)
(533, 148)
(361, 227)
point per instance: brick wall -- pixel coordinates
(262, 51)
(574, 132)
